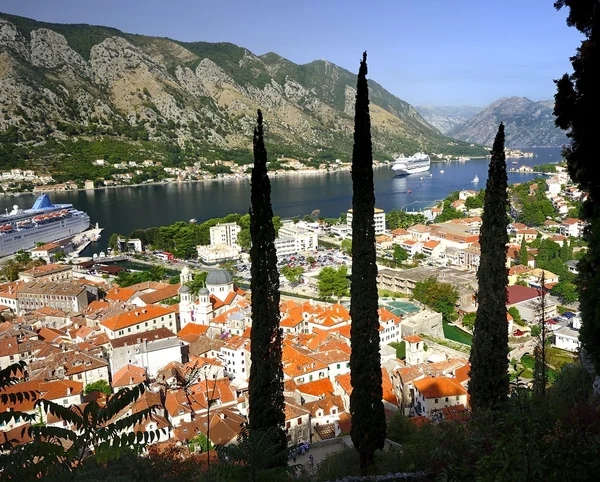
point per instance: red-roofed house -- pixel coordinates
(128, 377)
(432, 249)
(527, 301)
(572, 227)
(143, 319)
(411, 246)
(433, 394)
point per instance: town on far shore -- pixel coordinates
(131, 173)
(88, 327)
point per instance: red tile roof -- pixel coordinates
(439, 387)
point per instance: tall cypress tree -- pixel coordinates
(489, 363)
(266, 373)
(576, 110)
(523, 254)
(366, 405)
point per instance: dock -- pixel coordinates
(83, 240)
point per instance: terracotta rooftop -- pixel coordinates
(439, 387)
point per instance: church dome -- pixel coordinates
(184, 289)
(203, 291)
(219, 277)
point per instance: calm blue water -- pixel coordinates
(125, 209)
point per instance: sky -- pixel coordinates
(427, 52)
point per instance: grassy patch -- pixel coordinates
(559, 358)
(400, 349)
(454, 333)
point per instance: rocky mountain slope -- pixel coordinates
(65, 83)
(528, 124)
(446, 118)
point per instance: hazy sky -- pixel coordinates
(440, 52)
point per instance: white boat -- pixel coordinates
(193, 220)
(475, 179)
(441, 171)
(403, 166)
(43, 223)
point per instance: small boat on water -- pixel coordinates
(408, 192)
(475, 179)
(193, 220)
(441, 171)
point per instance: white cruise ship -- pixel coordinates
(420, 162)
(44, 222)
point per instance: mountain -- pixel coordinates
(83, 92)
(528, 124)
(446, 118)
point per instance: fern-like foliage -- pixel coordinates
(103, 429)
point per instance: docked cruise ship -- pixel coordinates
(420, 162)
(44, 222)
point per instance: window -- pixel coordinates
(457, 398)
(436, 400)
(288, 424)
(338, 366)
(300, 421)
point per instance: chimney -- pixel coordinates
(69, 391)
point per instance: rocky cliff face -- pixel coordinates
(446, 118)
(528, 124)
(73, 81)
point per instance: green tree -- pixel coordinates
(201, 443)
(366, 405)
(516, 316)
(469, 320)
(438, 296)
(266, 374)
(566, 291)
(198, 281)
(397, 218)
(292, 274)
(333, 283)
(22, 257)
(113, 242)
(101, 386)
(347, 246)
(243, 239)
(400, 254)
(489, 353)
(10, 270)
(523, 253)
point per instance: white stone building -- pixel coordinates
(225, 233)
(378, 217)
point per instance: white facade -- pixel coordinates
(225, 233)
(149, 354)
(567, 339)
(293, 239)
(378, 218)
(217, 253)
(236, 363)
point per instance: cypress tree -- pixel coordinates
(577, 103)
(366, 405)
(523, 254)
(266, 413)
(489, 363)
